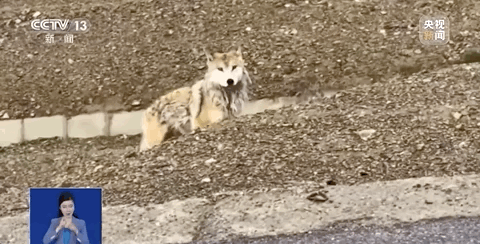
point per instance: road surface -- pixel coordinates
(447, 230)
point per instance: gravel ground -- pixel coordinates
(280, 212)
(389, 125)
(426, 125)
(138, 50)
(445, 230)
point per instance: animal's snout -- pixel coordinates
(230, 82)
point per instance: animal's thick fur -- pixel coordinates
(220, 95)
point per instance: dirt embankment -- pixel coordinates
(138, 50)
(426, 125)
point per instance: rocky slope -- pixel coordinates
(138, 50)
(425, 125)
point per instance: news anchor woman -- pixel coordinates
(67, 228)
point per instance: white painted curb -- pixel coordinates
(100, 124)
(80, 126)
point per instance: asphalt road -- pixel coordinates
(446, 230)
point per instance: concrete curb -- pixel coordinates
(81, 126)
(280, 211)
(98, 124)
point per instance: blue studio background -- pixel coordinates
(44, 207)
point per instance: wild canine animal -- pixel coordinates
(220, 95)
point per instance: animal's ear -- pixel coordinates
(209, 56)
(239, 51)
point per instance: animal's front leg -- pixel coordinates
(195, 106)
(194, 124)
(184, 128)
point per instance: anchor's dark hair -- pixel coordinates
(65, 196)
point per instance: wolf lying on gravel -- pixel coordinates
(220, 95)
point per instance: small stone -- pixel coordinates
(294, 32)
(206, 180)
(15, 191)
(36, 14)
(70, 61)
(136, 103)
(57, 70)
(420, 146)
(456, 115)
(29, 55)
(32, 114)
(211, 161)
(170, 32)
(18, 21)
(248, 29)
(5, 116)
(97, 168)
(366, 134)
(383, 32)
(26, 11)
(161, 158)
(418, 51)
(383, 12)
(428, 202)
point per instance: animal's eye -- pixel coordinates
(234, 67)
(221, 69)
